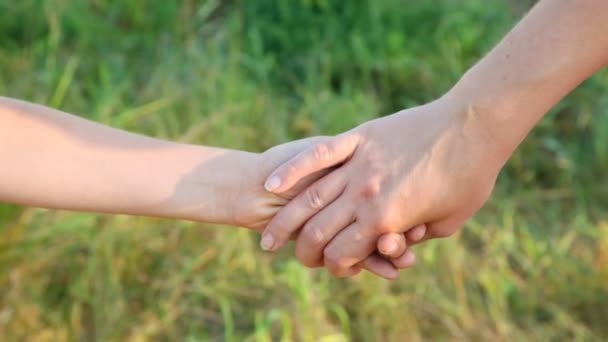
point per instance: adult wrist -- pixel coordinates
(469, 127)
(498, 119)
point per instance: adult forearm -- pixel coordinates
(55, 160)
(559, 44)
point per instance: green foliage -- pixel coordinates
(250, 74)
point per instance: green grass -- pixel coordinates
(532, 265)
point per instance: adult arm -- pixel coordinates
(437, 163)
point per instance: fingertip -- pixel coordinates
(391, 274)
(355, 270)
(417, 233)
(272, 183)
(388, 272)
(381, 267)
(268, 242)
(350, 272)
(387, 246)
(392, 245)
(271, 242)
(408, 259)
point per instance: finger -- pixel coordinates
(318, 157)
(408, 259)
(280, 154)
(416, 234)
(295, 214)
(321, 229)
(392, 245)
(380, 266)
(427, 236)
(349, 247)
(437, 230)
(353, 271)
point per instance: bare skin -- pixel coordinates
(52, 159)
(437, 164)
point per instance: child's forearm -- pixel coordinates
(55, 160)
(554, 48)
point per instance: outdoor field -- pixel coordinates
(532, 265)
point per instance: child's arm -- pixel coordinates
(55, 160)
(52, 159)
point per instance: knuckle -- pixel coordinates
(334, 261)
(291, 168)
(382, 207)
(313, 235)
(313, 198)
(381, 227)
(331, 259)
(308, 262)
(384, 221)
(341, 273)
(304, 257)
(279, 228)
(320, 151)
(370, 190)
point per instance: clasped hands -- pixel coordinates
(388, 184)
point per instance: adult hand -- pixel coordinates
(434, 165)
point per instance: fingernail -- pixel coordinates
(272, 183)
(267, 242)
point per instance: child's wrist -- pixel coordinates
(251, 206)
(209, 186)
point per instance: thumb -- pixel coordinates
(320, 156)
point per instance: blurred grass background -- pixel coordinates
(532, 265)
